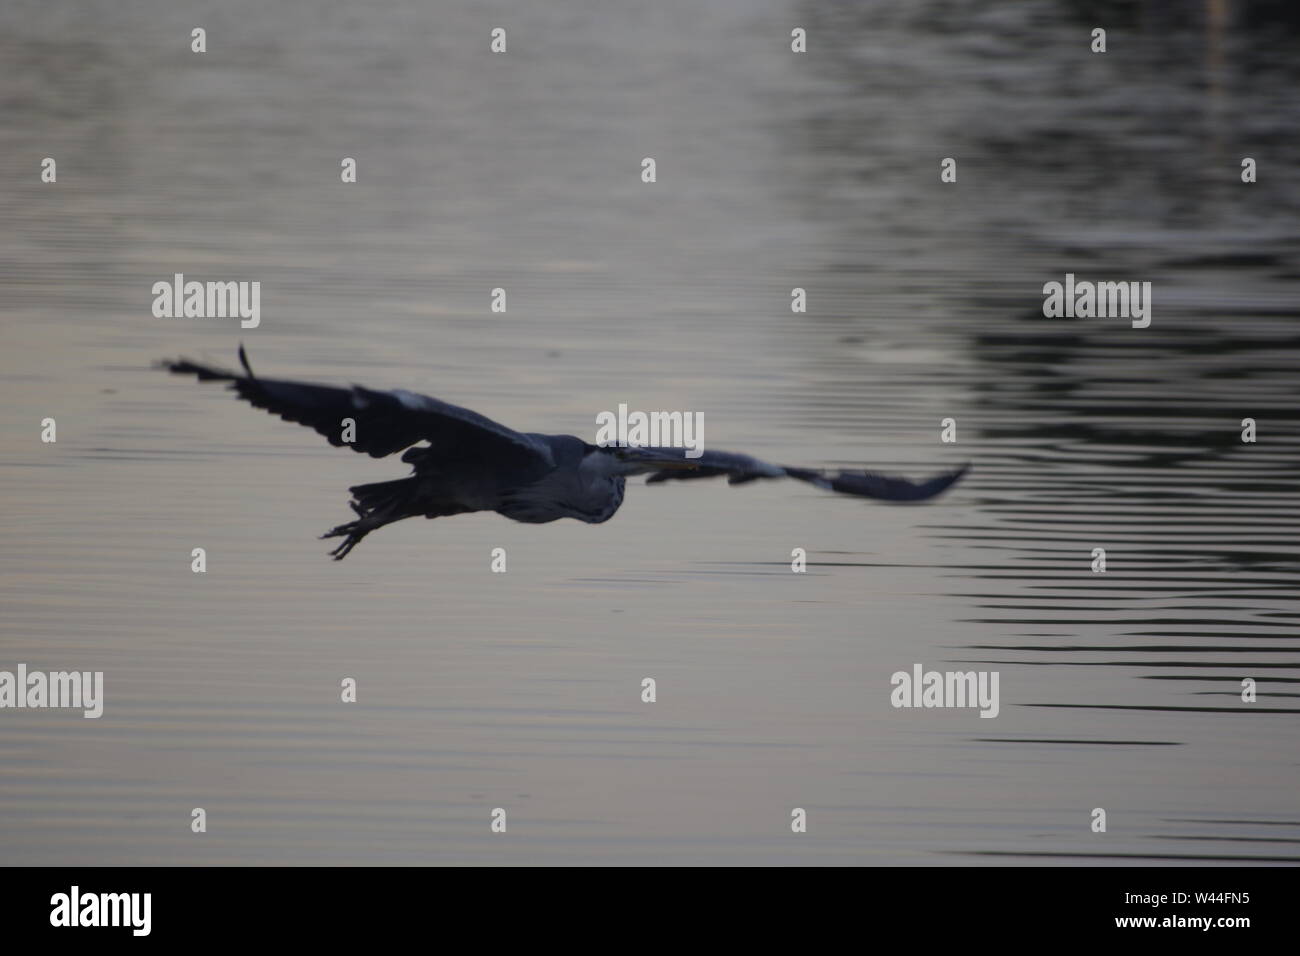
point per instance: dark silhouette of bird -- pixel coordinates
(468, 462)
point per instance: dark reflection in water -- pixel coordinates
(1092, 434)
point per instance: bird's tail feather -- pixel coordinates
(380, 494)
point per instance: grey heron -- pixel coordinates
(471, 463)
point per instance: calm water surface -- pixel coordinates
(522, 690)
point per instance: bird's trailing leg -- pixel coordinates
(375, 506)
(354, 531)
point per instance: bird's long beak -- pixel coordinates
(675, 464)
(655, 459)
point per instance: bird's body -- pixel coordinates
(564, 481)
(472, 463)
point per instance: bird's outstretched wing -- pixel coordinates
(385, 421)
(742, 468)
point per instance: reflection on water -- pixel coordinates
(1120, 690)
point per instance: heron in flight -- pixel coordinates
(471, 463)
